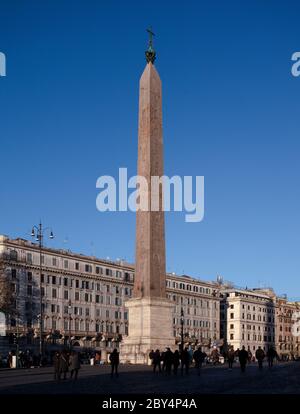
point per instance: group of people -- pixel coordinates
(245, 357)
(169, 361)
(65, 362)
(25, 359)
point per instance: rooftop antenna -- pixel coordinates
(92, 248)
(220, 279)
(65, 242)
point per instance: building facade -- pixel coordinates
(248, 318)
(287, 341)
(83, 298)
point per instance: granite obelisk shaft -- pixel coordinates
(150, 312)
(150, 271)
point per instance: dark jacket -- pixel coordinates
(114, 358)
(243, 356)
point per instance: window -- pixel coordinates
(52, 308)
(65, 281)
(97, 299)
(42, 278)
(231, 326)
(76, 266)
(66, 264)
(86, 297)
(231, 306)
(53, 280)
(77, 284)
(107, 314)
(54, 261)
(87, 312)
(54, 293)
(29, 258)
(29, 276)
(231, 336)
(88, 268)
(43, 291)
(66, 294)
(126, 316)
(29, 290)
(13, 255)
(232, 316)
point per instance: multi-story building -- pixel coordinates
(287, 343)
(248, 318)
(83, 297)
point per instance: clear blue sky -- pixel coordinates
(68, 111)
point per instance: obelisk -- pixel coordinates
(150, 312)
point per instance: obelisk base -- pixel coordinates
(150, 327)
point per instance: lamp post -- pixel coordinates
(182, 323)
(38, 232)
(70, 319)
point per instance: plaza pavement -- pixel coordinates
(283, 378)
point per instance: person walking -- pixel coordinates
(151, 355)
(230, 358)
(260, 355)
(243, 358)
(185, 361)
(114, 360)
(74, 364)
(176, 361)
(199, 358)
(64, 364)
(249, 355)
(271, 354)
(168, 361)
(156, 361)
(56, 364)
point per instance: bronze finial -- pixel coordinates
(150, 52)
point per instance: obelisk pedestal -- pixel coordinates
(150, 327)
(150, 312)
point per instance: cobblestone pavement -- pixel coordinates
(282, 378)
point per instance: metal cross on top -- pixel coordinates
(150, 52)
(151, 34)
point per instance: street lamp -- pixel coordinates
(70, 319)
(38, 232)
(182, 323)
